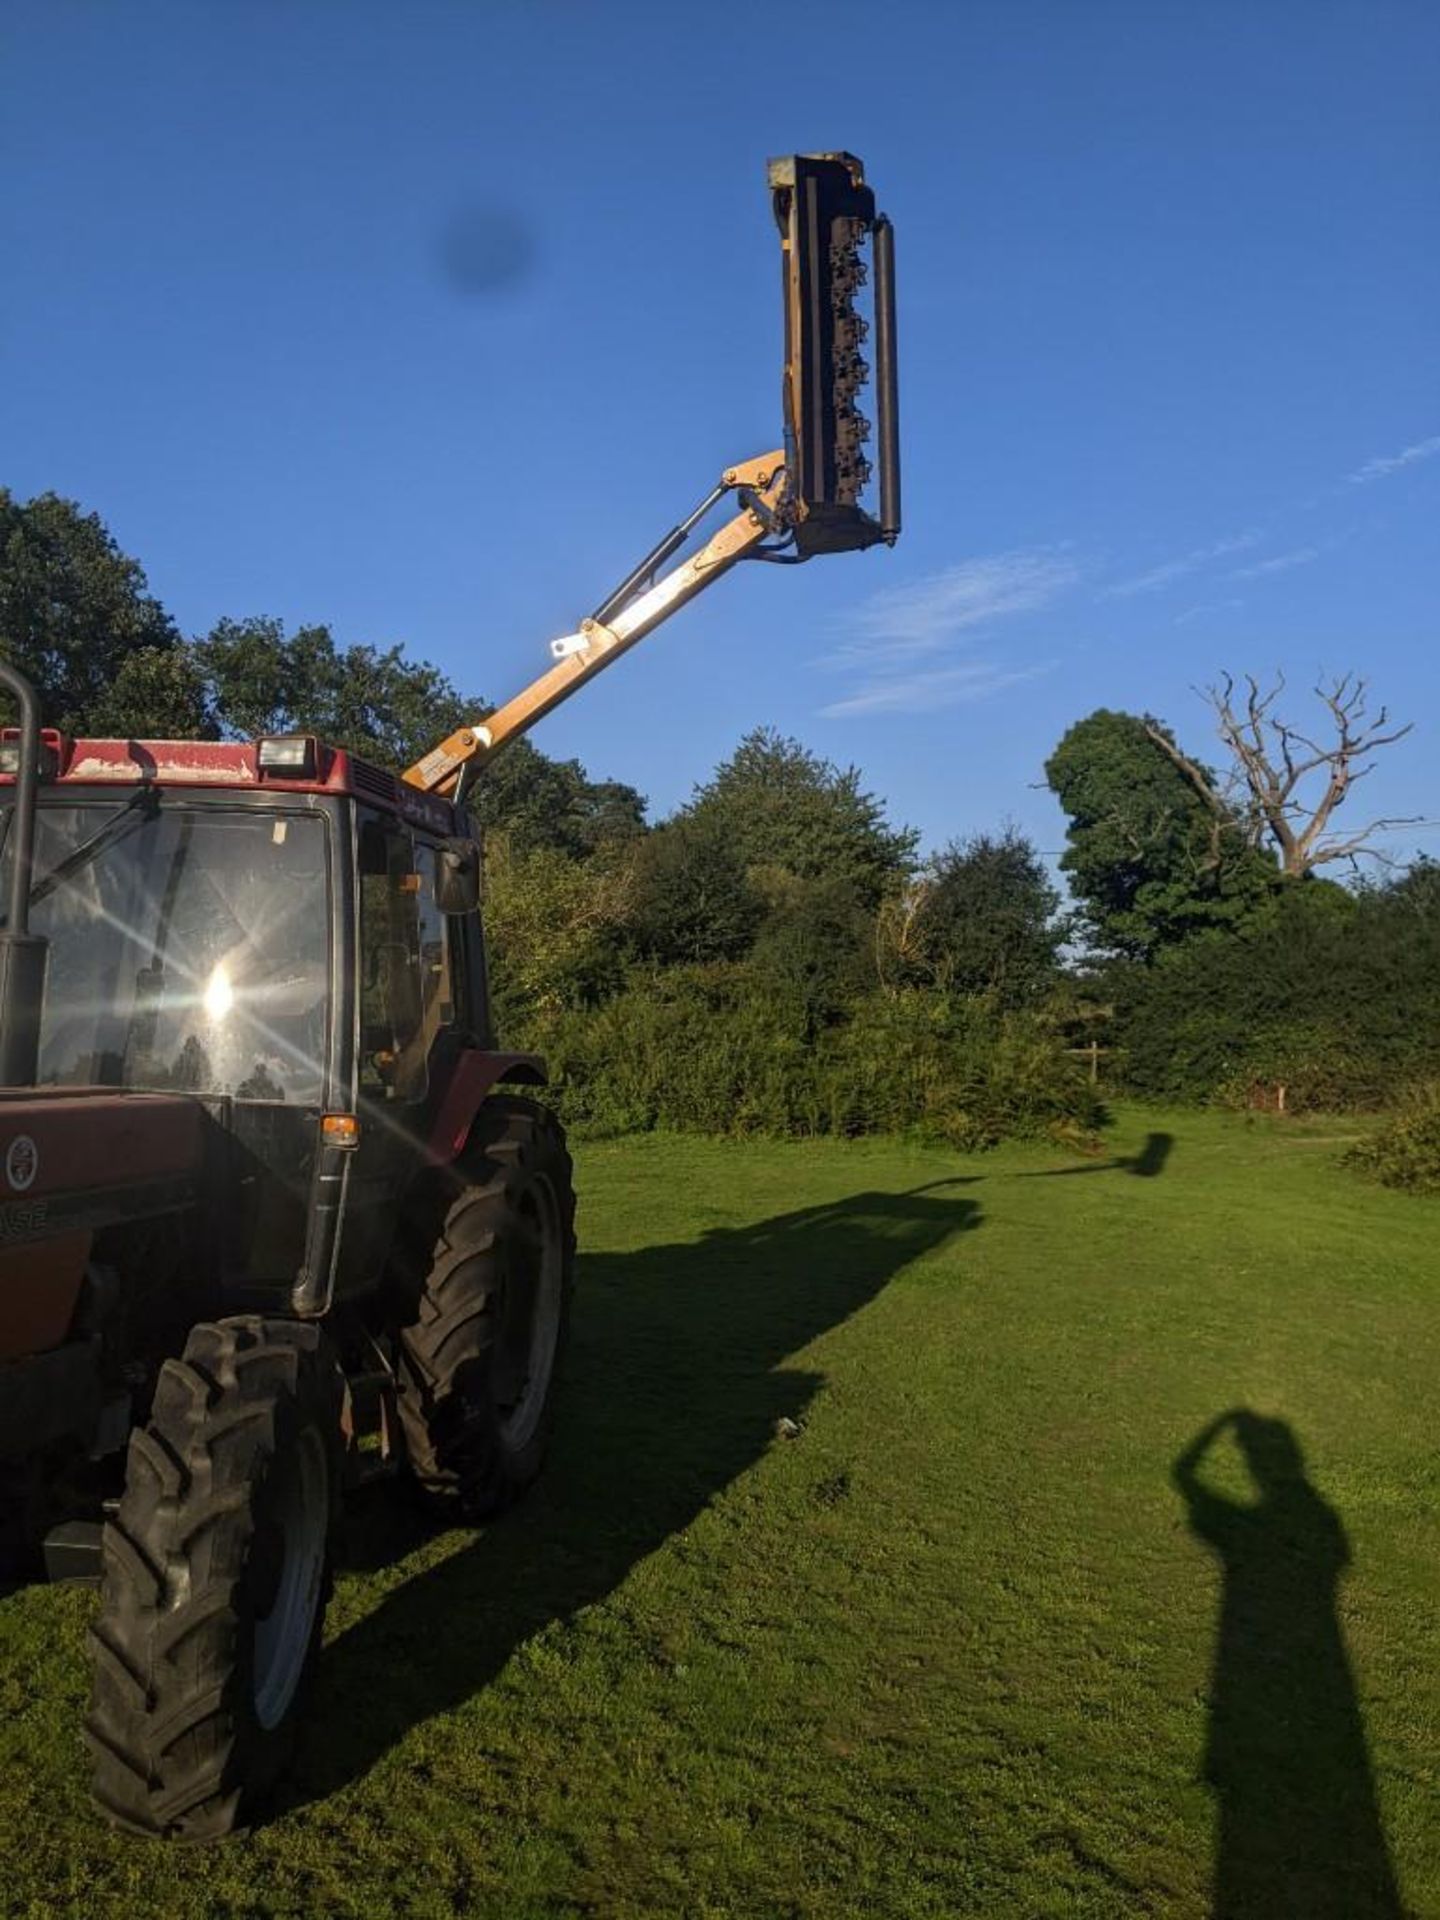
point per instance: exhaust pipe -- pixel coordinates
(22, 953)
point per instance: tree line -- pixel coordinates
(778, 954)
(1220, 957)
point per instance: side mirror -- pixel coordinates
(457, 876)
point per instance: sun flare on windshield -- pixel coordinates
(219, 996)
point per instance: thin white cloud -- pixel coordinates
(920, 617)
(936, 687)
(1282, 563)
(1149, 582)
(1187, 563)
(1386, 464)
(1207, 606)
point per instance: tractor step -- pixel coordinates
(370, 1467)
(367, 1390)
(372, 1412)
(72, 1553)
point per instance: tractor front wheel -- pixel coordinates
(216, 1574)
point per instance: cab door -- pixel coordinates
(405, 1005)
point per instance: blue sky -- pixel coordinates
(424, 321)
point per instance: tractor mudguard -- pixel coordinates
(473, 1077)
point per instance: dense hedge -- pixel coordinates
(705, 1050)
(1334, 995)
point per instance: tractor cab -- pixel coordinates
(283, 934)
(189, 943)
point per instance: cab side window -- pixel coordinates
(437, 967)
(406, 988)
(389, 950)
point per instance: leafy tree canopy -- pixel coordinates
(777, 804)
(987, 920)
(1411, 895)
(811, 960)
(160, 693)
(375, 702)
(1149, 862)
(694, 901)
(541, 802)
(75, 610)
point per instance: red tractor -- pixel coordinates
(268, 1223)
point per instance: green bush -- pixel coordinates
(714, 1050)
(1319, 1069)
(1406, 1151)
(1335, 996)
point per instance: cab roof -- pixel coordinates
(215, 764)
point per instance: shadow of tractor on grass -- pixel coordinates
(1146, 1164)
(673, 1385)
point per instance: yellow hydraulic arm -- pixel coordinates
(625, 618)
(798, 501)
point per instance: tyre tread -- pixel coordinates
(172, 1755)
(462, 1226)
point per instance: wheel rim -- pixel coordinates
(283, 1632)
(530, 1327)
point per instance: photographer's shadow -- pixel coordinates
(1299, 1828)
(674, 1384)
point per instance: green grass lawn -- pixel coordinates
(957, 1646)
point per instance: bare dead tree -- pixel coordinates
(1284, 788)
(900, 928)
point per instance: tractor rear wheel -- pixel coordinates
(492, 1263)
(216, 1573)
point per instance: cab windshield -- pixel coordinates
(189, 948)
